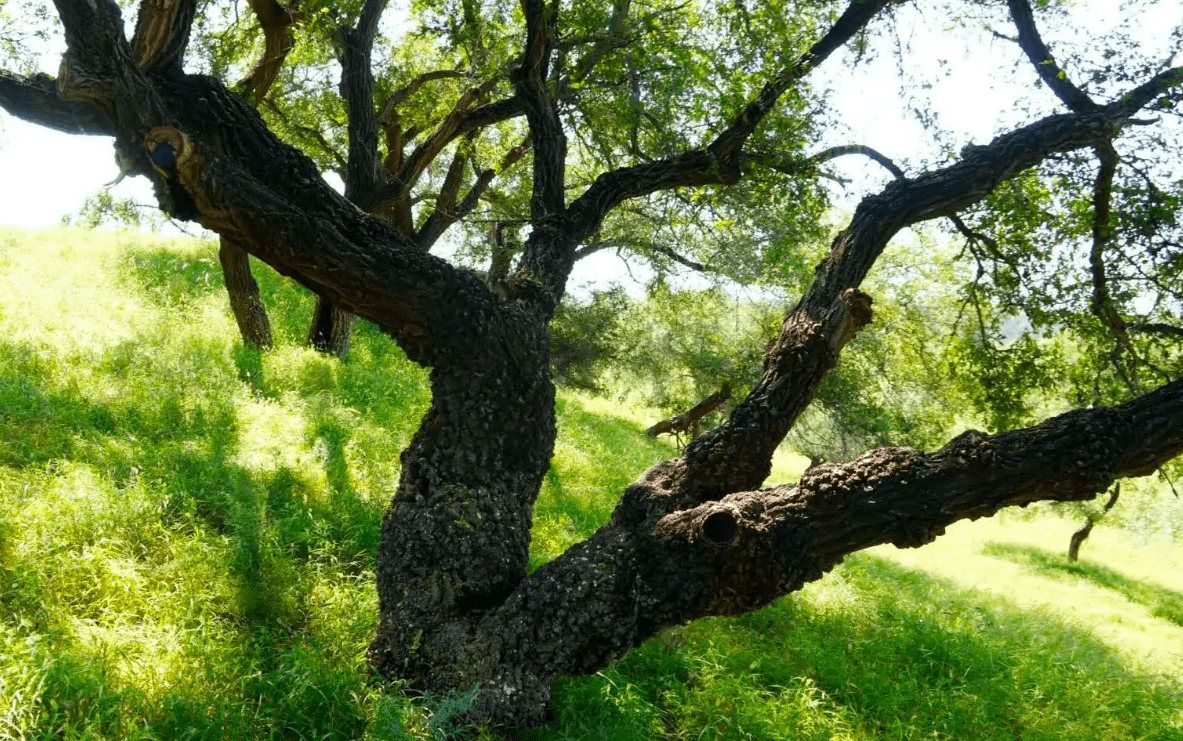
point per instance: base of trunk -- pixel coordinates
(331, 330)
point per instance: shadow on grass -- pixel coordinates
(169, 276)
(260, 674)
(183, 445)
(1162, 602)
(884, 652)
(263, 690)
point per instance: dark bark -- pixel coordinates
(331, 329)
(276, 22)
(1077, 538)
(693, 536)
(162, 33)
(655, 564)
(245, 303)
(35, 99)
(1037, 53)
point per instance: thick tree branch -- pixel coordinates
(445, 202)
(650, 568)
(304, 229)
(1037, 52)
(35, 99)
(736, 456)
(549, 141)
(162, 33)
(276, 21)
(357, 88)
(719, 162)
(908, 498)
(99, 68)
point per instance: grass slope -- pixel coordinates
(187, 530)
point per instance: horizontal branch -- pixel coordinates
(1159, 328)
(645, 571)
(689, 419)
(788, 164)
(35, 99)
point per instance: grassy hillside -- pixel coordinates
(187, 532)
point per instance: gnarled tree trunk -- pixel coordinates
(693, 536)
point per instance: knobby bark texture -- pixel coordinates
(694, 536)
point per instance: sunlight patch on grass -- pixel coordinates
(974, 556)
(271, 437)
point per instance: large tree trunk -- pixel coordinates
(249, 310)
(455, 541)
(693, 536)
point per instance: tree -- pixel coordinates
(693, 536)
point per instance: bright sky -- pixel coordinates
(47, 175)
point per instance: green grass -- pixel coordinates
(187, 531)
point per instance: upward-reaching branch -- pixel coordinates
(737, 455)
(275, 20)
(719, 162)
(162, 33)
(726, 147)
(357, 87)
(1037, 52)
(1101, 303)
(549, 141)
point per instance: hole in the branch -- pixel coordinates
(719, 528)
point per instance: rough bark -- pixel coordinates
(693, 536)
(275, 20)
(656, 565)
